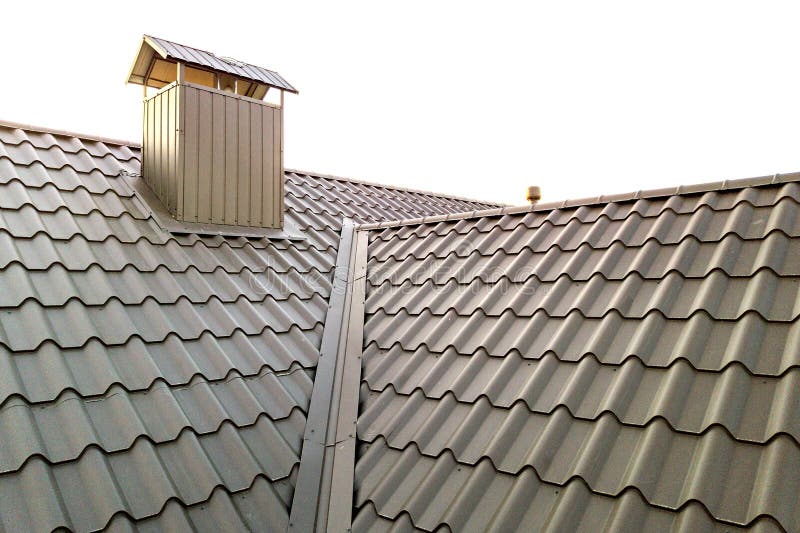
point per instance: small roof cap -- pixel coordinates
(155, 47)
(533, 194)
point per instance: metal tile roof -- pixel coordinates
(615, 363)
(621, 363)
(151, 381)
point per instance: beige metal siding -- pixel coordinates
(161, 151)
(214, 157)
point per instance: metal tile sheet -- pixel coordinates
(55, 157)
(621, 364)
(764, 348)
(74, 324)
(115, 421)
(27, 222)
(326, 186)
(665, 207)
(92, 369)
(370, 203)
(727, 476)
(14, 194)
(70, 143)
(66, 179)
(85, 494)
(260, 507)
(42, 252)
(432, 492)
(690, 401)
(368, 520)
(150, 381)
(94, 286)
(705, 225)
(690, 258)
(775, 298)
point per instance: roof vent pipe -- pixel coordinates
(533, 194)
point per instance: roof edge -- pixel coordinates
(725, 185)
(68, 133)
(392, 187)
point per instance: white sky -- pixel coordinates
(482, 100)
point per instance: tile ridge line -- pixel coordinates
(68, 133)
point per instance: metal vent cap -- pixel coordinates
(533, 194)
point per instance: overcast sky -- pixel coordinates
(579, 98)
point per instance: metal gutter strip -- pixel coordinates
(327, 461)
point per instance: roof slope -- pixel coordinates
(629, 364)
(148, 380)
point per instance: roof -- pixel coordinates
(626, 363)
(616, 363)
(152, 46)
(150, 380)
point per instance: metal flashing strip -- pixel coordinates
(150, 204)
(327, 461)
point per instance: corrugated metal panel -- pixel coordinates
(601, 366)
(151, 381)
(213, 157)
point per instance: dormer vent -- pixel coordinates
(212, 149)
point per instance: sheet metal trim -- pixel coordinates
(327, 461)
(150, 204)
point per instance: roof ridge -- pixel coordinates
(725, 185)
(67, 133)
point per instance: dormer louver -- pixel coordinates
(212, 149)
